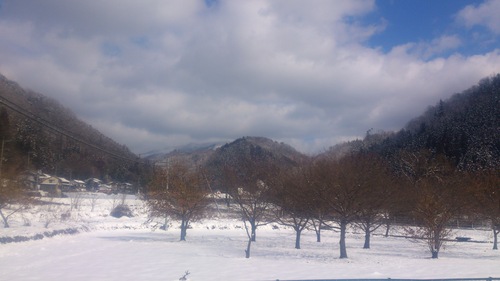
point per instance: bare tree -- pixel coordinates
(342, 191)
(316, 222)
(12, 200)
(294, 200)
(249, 186)
(320, 208)
(255, 208)
(486, 192)
(351, 189)
(76, 199)
(184, 198)
(378, 189)
(93, 201)
(438, 196)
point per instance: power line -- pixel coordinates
(43, 122)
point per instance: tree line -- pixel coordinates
(360, 189)
(443, 166)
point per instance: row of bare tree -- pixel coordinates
(360, 189)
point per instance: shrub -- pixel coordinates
(121, 210)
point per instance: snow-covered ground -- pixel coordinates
(108, 248)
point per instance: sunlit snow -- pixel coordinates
(108, 248)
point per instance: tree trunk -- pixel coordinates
(5, 222)
(227, 199)
(435, 254)
(184, 225)
(166, 223)
(247, 251)
(317, 229)
(435, 244)
(367, 239)
(297, 238)
(387, 227)
(343, 250)
(254, 230)
(495, 238)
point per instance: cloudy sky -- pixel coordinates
(154, 74)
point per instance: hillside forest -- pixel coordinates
(38, 133)
(441, 168)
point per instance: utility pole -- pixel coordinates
(1, 157)
(1, 161)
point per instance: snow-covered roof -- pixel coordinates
(94, 180)
(63, 180)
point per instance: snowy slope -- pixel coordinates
(132, 249)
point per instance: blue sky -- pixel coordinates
(158, 74)
(424, 20)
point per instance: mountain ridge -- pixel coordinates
(464, 127)
(44, 135)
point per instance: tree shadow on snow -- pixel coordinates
(141, 238)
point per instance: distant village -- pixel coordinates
(55, 186)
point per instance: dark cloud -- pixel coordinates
(155, 74)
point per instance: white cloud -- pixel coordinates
(485, 14)
(426, 50)
(155, 74)
(441, 44)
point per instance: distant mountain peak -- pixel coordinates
(182, 149)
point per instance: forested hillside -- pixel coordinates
(465, 128)
(250, 154)
(39, 133)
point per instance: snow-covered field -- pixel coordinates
(108, 248)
